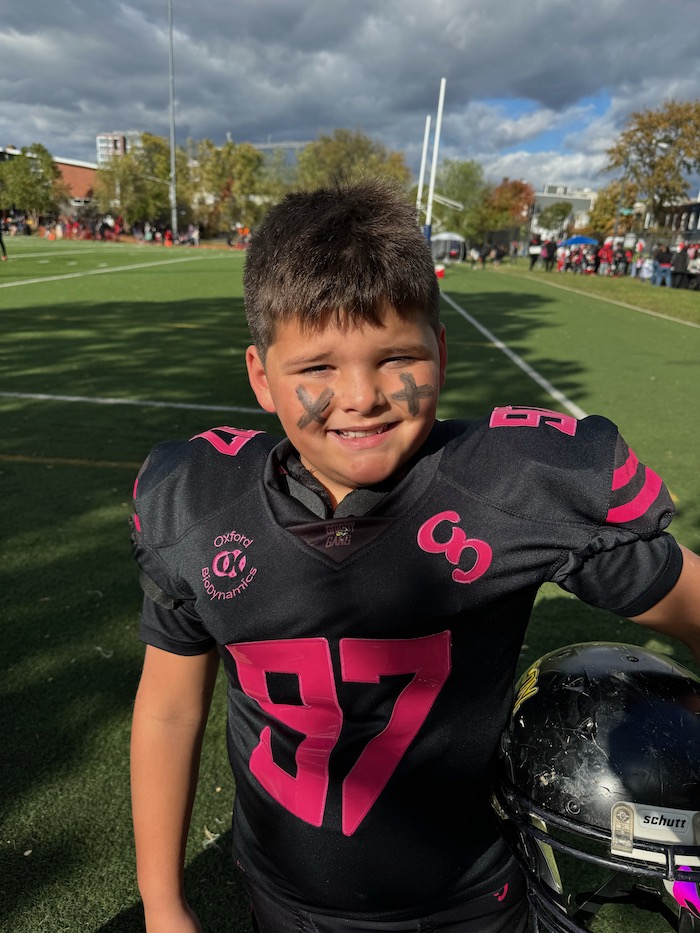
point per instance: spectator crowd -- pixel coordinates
(662, 265)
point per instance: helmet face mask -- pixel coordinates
(598, 788)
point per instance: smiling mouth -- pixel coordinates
(371, 432)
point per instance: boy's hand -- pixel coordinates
(178, 919)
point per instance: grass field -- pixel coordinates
(107, 349)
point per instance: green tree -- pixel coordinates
(137, 184)
(348, 154)
(659, 150)
(463, 182)
(32, 182)
(554, 217)
(225, 183)
(613, 209)
(278, 177)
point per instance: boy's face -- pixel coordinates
(355, 402)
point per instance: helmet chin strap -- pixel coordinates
(687, 893)
(583, 907)
(688, 923)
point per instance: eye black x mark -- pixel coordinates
(314, 408)
(412, 394)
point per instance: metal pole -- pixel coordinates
(623, 184)
(433, 170)
(173, 197)
(422, 164)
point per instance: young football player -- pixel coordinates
(367, 581)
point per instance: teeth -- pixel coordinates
(362, 433)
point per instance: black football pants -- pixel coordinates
(504, 911)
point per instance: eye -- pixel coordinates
(400, 360)
(315, 370)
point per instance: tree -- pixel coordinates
(348, 154)
(613, 209)
(224, 181)
(511, 202)
(32, 182)
(278, 177)
(137, 184)
(659, 150)
(120, 186)
(554, 217)
(463, 182)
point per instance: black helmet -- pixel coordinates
(599, 771)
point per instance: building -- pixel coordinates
(581, 202)
(115, 144)
(79, 178)
(7, 152)
(681, 222)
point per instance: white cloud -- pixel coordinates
(290, 69)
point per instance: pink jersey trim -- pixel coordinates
(625, 473)
(636, 507)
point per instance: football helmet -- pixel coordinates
(599, 774)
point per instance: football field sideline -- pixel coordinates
(515, 358)
(620, 304)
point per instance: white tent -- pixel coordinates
(448, 247)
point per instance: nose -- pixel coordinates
(360, 391)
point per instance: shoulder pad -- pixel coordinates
(527, 460)
(181, 482)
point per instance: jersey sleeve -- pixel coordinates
(629, 563)
(168, 619)
(178, 630)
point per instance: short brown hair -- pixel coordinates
(340, 254)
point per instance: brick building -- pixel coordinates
(80, 179)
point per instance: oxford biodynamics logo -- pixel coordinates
(230, 572)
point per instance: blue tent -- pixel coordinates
(580, 241)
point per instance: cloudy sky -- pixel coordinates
(536, 89)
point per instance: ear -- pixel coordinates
(442, 349)
(258, 379)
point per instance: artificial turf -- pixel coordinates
(82, 322)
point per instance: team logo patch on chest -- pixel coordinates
(231, 570)
(340, 538)
(339, 534)
(442, 534)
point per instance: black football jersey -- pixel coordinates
(370, 658)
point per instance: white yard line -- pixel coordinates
(139, 403)
(106, 271)
(620, 304)
(543, 383)
(55, 255)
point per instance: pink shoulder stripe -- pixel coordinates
(625, 473)
(636, 507)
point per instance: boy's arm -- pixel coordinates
(678, 613)
(170, 713)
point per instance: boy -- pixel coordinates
(368, 689)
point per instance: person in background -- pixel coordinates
(662, 266)
(679, 267)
